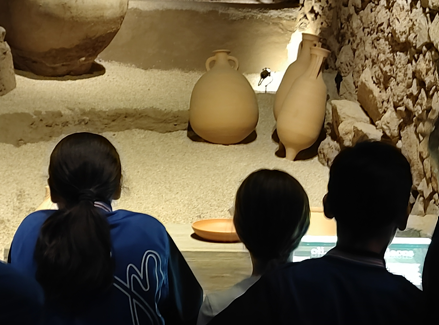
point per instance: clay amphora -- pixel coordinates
(223, 107)
(60, 37)
(303, 112)
(295, 70)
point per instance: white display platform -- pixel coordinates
(405, 256)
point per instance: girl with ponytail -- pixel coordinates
(99, 266)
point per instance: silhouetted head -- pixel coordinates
(84, 167)
(271, 214)
(369, 189)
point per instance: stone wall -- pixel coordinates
(322, 17)
(388, 62)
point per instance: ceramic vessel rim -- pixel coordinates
(310, 37)
(203, 225)
(215, 235)
(221, 51)
(320, 50)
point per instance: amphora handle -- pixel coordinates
(229, 58)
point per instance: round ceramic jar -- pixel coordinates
(60, 37)
(223, 106)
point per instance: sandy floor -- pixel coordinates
(166, 175)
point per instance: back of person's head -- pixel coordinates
(73, 251)
(369, 188)
(271, 214)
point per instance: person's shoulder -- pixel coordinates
(409, 297)
(13, 282)
(405, 285)
(21, 299)
(136, 222)
(10, 276)
(38, 216)
(301, 266)
(7, 271)
(295, 274)
(219, 300)
(133, 217)
(34, 221)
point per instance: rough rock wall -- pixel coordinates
(322, 17)
(388, 61)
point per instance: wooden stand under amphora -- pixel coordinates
(60, 37)
(223, 107)
(295, 70)
(302, 115)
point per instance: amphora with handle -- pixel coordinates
(60, 37)
(223, 106)
(302, 115)
(295, 70)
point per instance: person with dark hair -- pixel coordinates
(21, 298)
(368, 195)
(271, 216)
(430, 278)
(99, 266)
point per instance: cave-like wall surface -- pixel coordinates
(388, 63)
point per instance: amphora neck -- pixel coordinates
(222, 57)
(308, 41)
(318, 54)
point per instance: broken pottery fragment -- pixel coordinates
(7, 74)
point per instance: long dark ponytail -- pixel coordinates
(73, 251)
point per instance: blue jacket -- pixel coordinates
(152, 282)
(21, 298)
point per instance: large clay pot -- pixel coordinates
(295, 70)
(60, 37)
(223, 107)
(303, 112)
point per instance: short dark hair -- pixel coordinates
(271, 214)
(369, 187)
